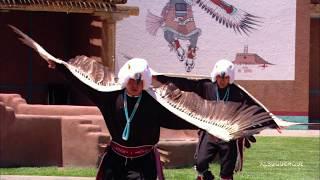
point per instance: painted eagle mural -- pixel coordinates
(178, 24)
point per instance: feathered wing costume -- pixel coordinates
(225, 120)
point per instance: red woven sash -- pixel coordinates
(130, 152)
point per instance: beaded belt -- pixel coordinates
(130, 152)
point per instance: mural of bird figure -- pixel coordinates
(178, 24)
(225, 120)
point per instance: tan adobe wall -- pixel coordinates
(52, 136)
(46, 135)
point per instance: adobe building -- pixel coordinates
(41, 114)
(69, 34)
(43, 121)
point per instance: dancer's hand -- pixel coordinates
(248, 140)
(51, 64)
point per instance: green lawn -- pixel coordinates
(270, 158)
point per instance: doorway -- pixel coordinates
(314, 73)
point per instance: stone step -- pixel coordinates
(90, 128)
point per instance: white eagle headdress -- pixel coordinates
(135, 68)
(225, 67)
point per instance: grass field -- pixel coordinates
(276, 158)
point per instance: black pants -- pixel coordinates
(207, 150)
(116, 167)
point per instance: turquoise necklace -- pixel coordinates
(226, 95)
(126, 131)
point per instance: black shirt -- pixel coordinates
(146, 123)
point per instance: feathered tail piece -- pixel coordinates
(88, 70)
(225, 120)
(153, 23)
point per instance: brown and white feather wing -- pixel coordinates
(93, 73)
(225, 120)
(86, 69)
(257, 126)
